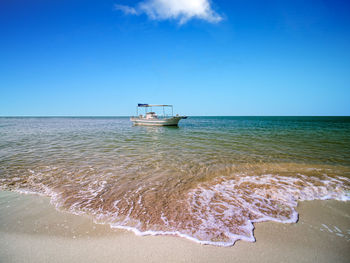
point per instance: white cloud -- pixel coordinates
(181, 10)
(126, 9)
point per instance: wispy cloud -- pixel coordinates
(126, 9)
(181, 10)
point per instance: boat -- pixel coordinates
(150, 118)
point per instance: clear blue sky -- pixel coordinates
(239, 57)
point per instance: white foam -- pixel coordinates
(175, 233)
(224, 210)
(216, 205)
(257, 200)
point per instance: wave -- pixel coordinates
(218, 210)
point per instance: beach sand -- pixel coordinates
(32, 230)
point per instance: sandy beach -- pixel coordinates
(32, 230)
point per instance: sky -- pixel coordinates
(206, 57)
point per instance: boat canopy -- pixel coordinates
(149, 105)
(146, 106)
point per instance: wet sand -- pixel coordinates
(32, 230)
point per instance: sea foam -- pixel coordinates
(224, 211)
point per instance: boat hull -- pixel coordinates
(174, 121)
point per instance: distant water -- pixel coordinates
(207, 180)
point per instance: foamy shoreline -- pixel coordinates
(32, 230)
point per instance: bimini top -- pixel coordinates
(149, 105)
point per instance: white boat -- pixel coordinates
(152, 119)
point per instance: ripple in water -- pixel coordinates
(208, 185)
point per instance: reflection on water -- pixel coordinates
(206, 180)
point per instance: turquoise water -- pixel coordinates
(207, 180)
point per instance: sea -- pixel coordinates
(208, 180)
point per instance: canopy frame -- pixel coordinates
(146, 106)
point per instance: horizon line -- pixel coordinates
(126, 116)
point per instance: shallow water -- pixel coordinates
(207, 180)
